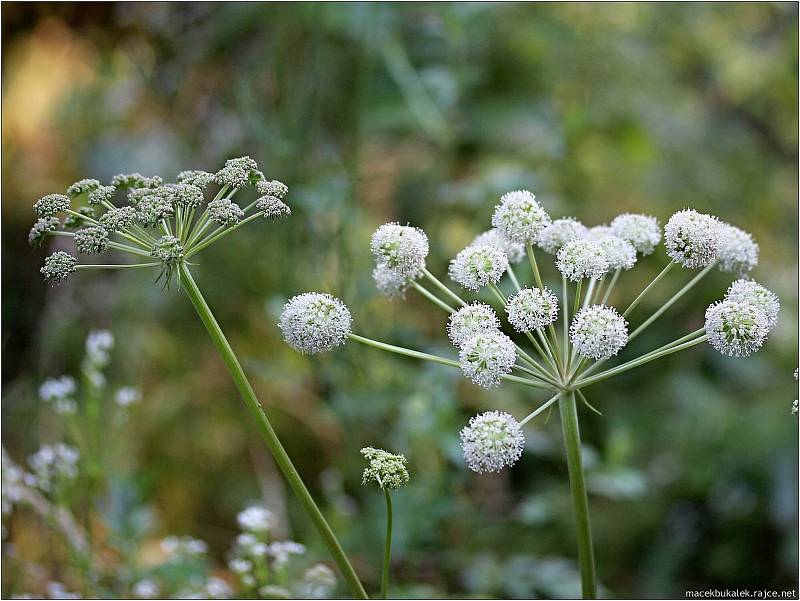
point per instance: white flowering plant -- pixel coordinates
(532, 352)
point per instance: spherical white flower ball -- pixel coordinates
(736, 329)
(255, 518)
(598, 332)
(643, 231)
(487, 357)
(515, 252)
(519, 218)
(313, 322)
(558, 233)
(402, 248)
(470, 320)
(692, 238)
(531, 309)
(748, 291)
(476, 266)
(599, 232)
(579, 259)
(491, 441)
(390, 283)
(737, 252)
(620, 253)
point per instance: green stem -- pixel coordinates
(534, 267)
(513, 277)
(610, 287)
(565, 299)
(387, 549)
(671, 301)
(639, 298)
(116, 266)
(431, 297)
(577, 301)
(541, 408)
(268, 434)
(219, 233)
(435, 281)
(580, 502)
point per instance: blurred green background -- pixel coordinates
(422, 114)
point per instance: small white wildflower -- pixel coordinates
(115, 220)
(319, 581)
(50, 205)
(91, 240)
(217, 588)
(52, 464)
(225, 212)
(531, 309)
(272, 188)
(274, 591)
(749, 291)
(272, 206)
(400, 247)
(101, 194)
(487, 357)
(55, 389)
(558, 233)
(515, 252)
(15, 481)
(580, 259)
(167, 249)
(492, 440)
(692, 238)
(281, 551)
(470, 320)
(99, 344)
(385, 469)
(154, 206)
(620, 253)
(255, 518)
(519, 218)
(146, 589)
(237, 172)
(795, 407)
(240, 566)
(737, 252)
(188, 195)
(390, 283)
(82, 187)
(185, 546)
(58, 266)
(40, 229)
(643, 231)
(476, 266)
(246, 540)
(598, 332)
(736, 329)
(124, 181)
(127, 396)
(314, 322)
(199, 179)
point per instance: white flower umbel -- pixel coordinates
(51, 205)
(255, 518)
(558, 233)
(471, 320)
(91, 240)
(400, 247)
(390, 283)
(598, 332)
(692, 238)
(54, 464)
(237, 173)
(599, 232)
(476, 266)
(531, 309)
(224, 212)
(491, 442)
(736, 329)
(749, 291)
(41, 228)
(487, 357)
(519, 218)
(643, 231)
(580, 259)
(384, 469)
(515, 252)
(58, 266)
(737, 252)
(313, 322)
(620, 253)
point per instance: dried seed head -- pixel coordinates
(199, 179)
(188, 195)
(92, 240)
(402, 248)
(225, 212)
(736, 329)
(487, 357)
(492, 440)
(476, 266)
(737, 252)
(115, 220)
(272, 188)
(558, 233)
(313, 322)
(515, 252)
(237, 172)
(52, 204)
(101, 194)
(580, 259)
(273, 206)
(389, 282)
(598, 332)
(385, 469)
(531, 309)
(620, 253)
(73, 221)
(692, 238)
(519, 218)
(40, 229)
(471, 320)
(167, 249)
(749, 291)
(82, 187)
(643, 231)
(58, 266)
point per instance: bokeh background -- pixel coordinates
(422, 114)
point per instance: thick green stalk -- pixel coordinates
(610, 287)
(577, 485)
(639, 298)
(268, 434)
(387, 549)
(534, 267)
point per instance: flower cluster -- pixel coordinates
(385, 469)
(492, 441)
(54, 465)
(313, 322)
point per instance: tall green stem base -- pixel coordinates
(268, 434)
(577, 485)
